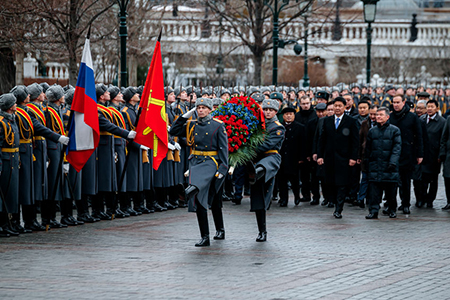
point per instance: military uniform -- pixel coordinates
(209, 142)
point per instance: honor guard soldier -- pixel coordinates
(106, 175)
(72, 178)
(116, 99)
(268, 162)
(208, 165)
(41, 138)
(54, 120)
(9, 164)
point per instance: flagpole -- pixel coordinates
(127, 157)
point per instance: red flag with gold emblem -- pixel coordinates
(151, 130)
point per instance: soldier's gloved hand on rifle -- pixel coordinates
(144, 148)
(64, 140)
(131, 135)
(171, 147)
(168, 128)
(177, 146)
(219, 175)
(66, 168)
(189, 113)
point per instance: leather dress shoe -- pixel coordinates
(145, 210)
(220, 234)
(297, 201)
(176, 204)
(386, 211)
(447, 206)
(17, 227)
(324, 203)
(262, 236)
(159, 208)
(419, 204)
(204, 242)
(392, 215)
(236, 201)
(34, 226)
(183, 204)
(67, 221)
(118, 214)
(76, 221)
(305, 199)
(283, 204)
(100, 215)
(169, 206)
(430, 205)
(372, 216)
(275, 198)
(330, 205)
(314, 202)
(400, 207)
(337, 215)
(86, 218)
(55, 224)
(8, 230)
(406, 210)
(3, 233)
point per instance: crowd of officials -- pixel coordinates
(343, 144)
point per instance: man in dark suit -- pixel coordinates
(338, 151)
(432, 166)
(293, 153)
(350, 108)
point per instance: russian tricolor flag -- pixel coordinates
(84, 132)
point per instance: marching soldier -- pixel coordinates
(9, 164)
(208, 165)
(262, 173)
(41, 137)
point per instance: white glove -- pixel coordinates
(177, 146)
(219, 175)
(189, 113)
(168, 128)
(64, 140)
(186, 174)
(66, 168)
(144, 148)
(131, 135)
(171, 147)
(48, 164)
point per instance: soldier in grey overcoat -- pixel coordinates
(266, 166)
(9, 164)
(208, 165)
(106, 172)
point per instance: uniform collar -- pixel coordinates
(205, 119)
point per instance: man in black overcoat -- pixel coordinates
(338, 151)
(293, 153)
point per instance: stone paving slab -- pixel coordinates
(308, 255)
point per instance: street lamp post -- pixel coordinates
(123, 34)
(305, 73)
(276, 13)
(370, 11)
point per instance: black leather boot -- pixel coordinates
(261, 220)
(191, 191)
(202, 218)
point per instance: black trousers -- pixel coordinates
(337, 196)
(283, 180)
(375, 196)
(239, 176)
(430, 187)
(355, 179)
(405, 186)
(310, 182)
(216, 209)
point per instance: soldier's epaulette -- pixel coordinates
(278, 123)
(217, 120)
(125, 108)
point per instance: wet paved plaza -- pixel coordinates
(309, 255)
